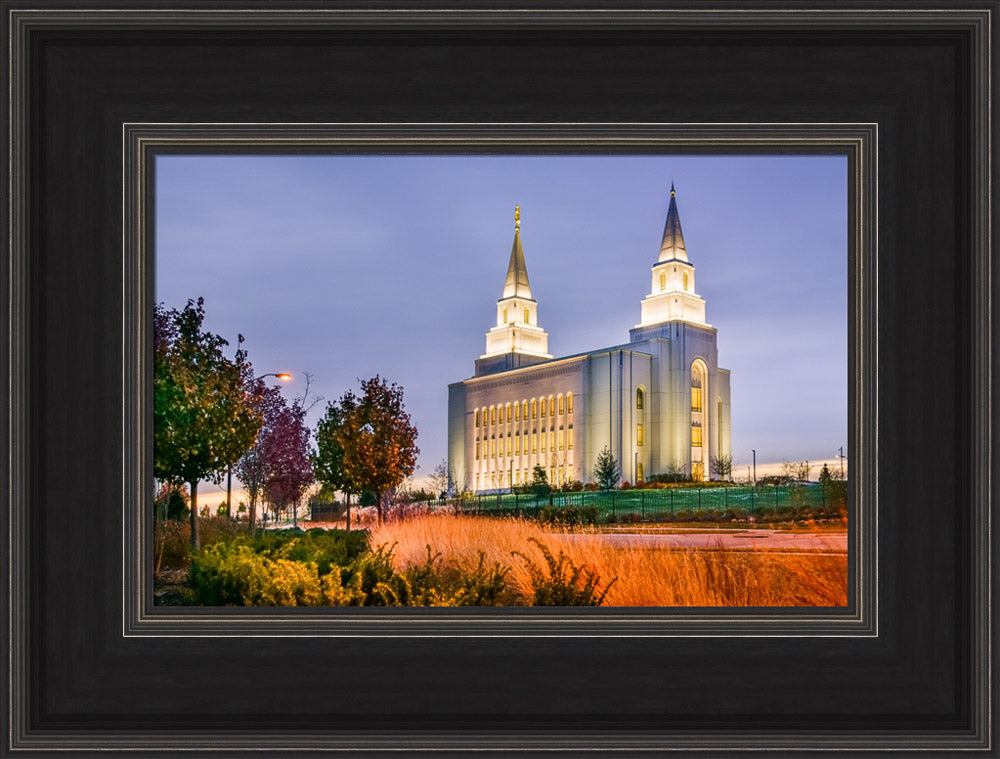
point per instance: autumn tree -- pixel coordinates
(328, 456)
(203, 420)
(378, 441)
(606, 469)
(253, 468)
(285, 449)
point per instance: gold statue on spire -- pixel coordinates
(517, 218)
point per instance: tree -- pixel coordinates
(795, 470)
(285, 448)
(606, 469)
(440, 479)
(540, 481)
(203, 420)
(722, 466)
(328, 457)
(253, 468)
(378, 441)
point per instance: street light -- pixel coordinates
(284, 377)
(754, 452)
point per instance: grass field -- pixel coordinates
(640, 576)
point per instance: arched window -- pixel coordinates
(477, 450)
(517, 411)
(638, 435)
(526, 315)
(544, 404)
(663, 281)
(500, 408)
(534, 408)
(493, 414)
(569, 403)
(640, 398)
(685, 280)
(562, 405)
(477, 417)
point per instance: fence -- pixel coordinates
(657, 505)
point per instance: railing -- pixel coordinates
(656, 505)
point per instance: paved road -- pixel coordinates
(832, 542)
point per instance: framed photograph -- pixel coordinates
(325, 178)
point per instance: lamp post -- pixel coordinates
(635, 468)
(284, 377)
(841, 462)
(754, 452)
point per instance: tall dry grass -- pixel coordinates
(645, 576)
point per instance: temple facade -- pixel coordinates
(659, 402)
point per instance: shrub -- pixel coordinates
(568, 515)
(562, 583)
(300, 572)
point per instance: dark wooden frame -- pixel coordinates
(908, 672)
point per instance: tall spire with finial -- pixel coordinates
(672, 246)
(516, 284)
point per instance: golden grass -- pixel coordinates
(645, 576)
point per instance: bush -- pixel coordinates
(568, 515)
(561, 583)
(298, 569)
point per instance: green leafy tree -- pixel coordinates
(606, 469)
(203, 419)
(540, 481)
(328, 456)
(378, 440)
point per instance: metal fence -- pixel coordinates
(658, 505)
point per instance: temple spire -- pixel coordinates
(516, 285)
(672, 246)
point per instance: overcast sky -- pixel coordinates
(350, 266)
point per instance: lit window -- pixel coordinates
(534, 408)
(562, 439)
(493, 479)
(493, 449)
(477, 449)
(477, 417)
(517, 478)
(534, 443)
(569, 403)
(543, 442)
(509, 417)
(552, 440)
(477, 482)
(493, 415)
(517, 446)
(685, 280)
(517, 411)
(510, 444)
(500, 409)
(526, 316)
(562, 408)
(638, 434)
(501, 478)
(552, 405)
(696, 437)
(505, 320)
(569, 440)
(696, 399)
(663, 280)
(640, 398)
(544, 407)
(638, 473)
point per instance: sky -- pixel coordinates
(344, 267)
